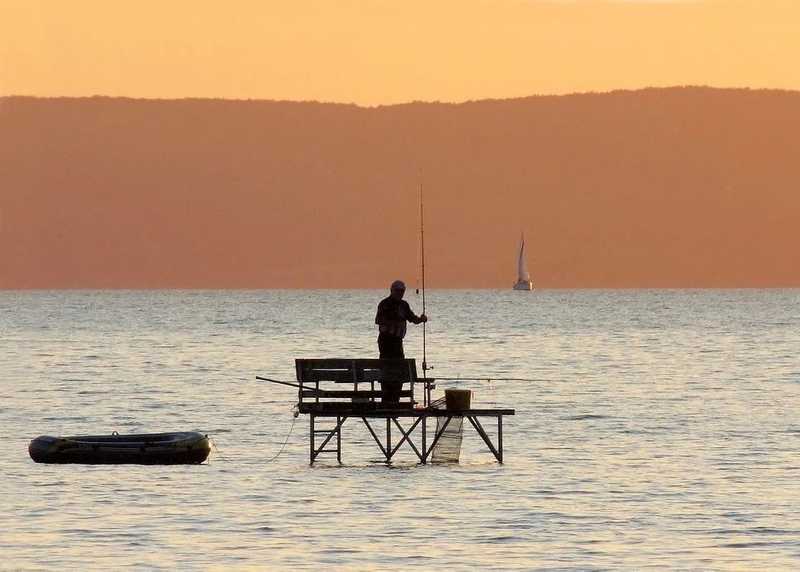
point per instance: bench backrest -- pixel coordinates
(353, 379)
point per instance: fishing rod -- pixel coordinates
(289, 383)
(488, 378)
(426, 396)
(422, 249)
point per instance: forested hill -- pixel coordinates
(679, 187)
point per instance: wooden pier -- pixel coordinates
(360, 392)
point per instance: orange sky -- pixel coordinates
(392, 51)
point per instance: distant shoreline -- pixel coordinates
(666, 187)
(412, 295)
(644, 89)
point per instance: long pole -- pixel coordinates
(426, 398)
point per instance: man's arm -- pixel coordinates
(411, 316)
(380, 316)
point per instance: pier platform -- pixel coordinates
(331, 437)
(391, 425)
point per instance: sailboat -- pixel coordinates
(524, 281)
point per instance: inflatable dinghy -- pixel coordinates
(147, 449)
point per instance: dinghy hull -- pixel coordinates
(147, 449)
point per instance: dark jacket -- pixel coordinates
(392, 317)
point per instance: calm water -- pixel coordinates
(661, 430)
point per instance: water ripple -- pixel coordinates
(657, 433)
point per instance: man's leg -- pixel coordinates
(391, 347)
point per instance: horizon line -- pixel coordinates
(415, 101)
(367, 288)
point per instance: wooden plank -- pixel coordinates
(378, 369)
(368, 408)
(369, 375)
(316, 370)
(348, 394)
(377, 375)
(325, 363)
(341, 363)
(376, 363)
(355, 370)
(404, 410)
(335, 375)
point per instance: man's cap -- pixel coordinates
(398, 285)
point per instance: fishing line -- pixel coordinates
(278, 454)
(295, 413)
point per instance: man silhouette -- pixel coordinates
(393, 313)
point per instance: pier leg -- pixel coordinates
(374, 435)
(388, 439)
(339, 439)
(407, 437)
(500, 437)
(329, 434)
(482, 432)
(311, 440)
(437, 435)
(424, 440)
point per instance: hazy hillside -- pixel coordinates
(676, 187)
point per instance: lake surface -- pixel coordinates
(660, 429)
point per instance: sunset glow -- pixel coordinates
(389, 52)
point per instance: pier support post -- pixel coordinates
(374, 436)
(390, 446)
(388, 439)
(438, 432)
(329, 434)
(500, 438)
(311, 440)
(339, 439)
(424, 458)
(482, 432)
(407, 437)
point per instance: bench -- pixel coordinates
(330, 385)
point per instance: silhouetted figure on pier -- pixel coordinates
(393, 313)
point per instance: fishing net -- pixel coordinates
(448, 448)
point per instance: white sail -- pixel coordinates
(523, 276)
(522, 266)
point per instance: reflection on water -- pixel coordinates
(662, 429)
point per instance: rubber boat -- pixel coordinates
(148, 449)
